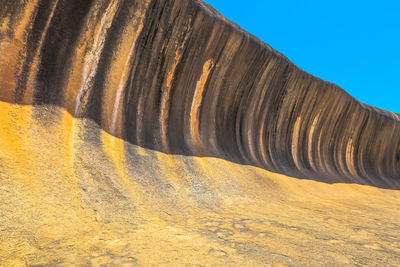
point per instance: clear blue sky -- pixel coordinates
(352, 43)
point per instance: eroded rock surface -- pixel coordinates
(152, 132)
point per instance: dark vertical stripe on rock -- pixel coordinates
(58, 49)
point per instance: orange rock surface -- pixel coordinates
(72, 194)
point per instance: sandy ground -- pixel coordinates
(71, 194)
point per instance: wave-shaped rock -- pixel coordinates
(176, 76)
(127, 133)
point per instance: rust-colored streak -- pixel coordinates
(295, 143)
(196, 105)
(350, 158)
(310, 142)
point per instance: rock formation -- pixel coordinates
(176, 79)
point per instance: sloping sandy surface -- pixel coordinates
(71, 194)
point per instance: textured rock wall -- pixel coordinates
(177, 77)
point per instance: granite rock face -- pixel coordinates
(177, 77)
(138, 132)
